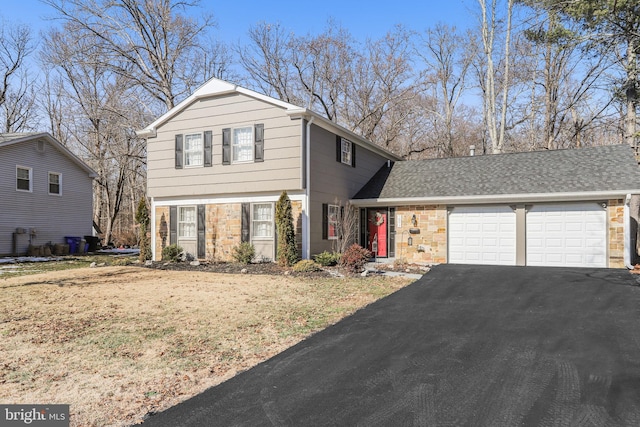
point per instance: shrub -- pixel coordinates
(354, 258)
(306, 266)
(172, 253)
(244, 253)
(287, 252)
(327, 259)
(400, 263)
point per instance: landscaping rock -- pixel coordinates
(195, 263)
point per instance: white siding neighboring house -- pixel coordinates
(46, 192)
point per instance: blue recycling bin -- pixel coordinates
(74, 243)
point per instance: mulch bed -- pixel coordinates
(237, 268)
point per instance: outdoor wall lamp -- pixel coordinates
(410, 241)
(414, 220)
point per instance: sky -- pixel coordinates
(364, 19)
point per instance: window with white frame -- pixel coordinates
(346, 152)
(243, 144)
(187, 222)
(23, 178)
(55, 183)
(333, 222)
(193, 152)
(262, 221)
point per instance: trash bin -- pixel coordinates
(74, 244)
(93, 242)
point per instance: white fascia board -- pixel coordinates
(498, 199)
(213, 200)
(327, 124)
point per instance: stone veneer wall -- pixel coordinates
(430, 245)
(615, 215)
(223, 229)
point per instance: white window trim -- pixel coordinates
(336, 208)
(178, 235)
(253, 221)
(185, 152)
(348, 153)
(233, 144)
(30, 190)
(59, 193)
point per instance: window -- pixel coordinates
(346, 152)
(243, 144)
(55, 183)
(23, 178)
(332, 222)
(187, 223)
(193, 150)
(262, 221)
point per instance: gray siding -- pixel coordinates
(281, 168)
(53, 216)
(333, 181)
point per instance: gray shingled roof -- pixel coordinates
(606, 168)
(7, 137)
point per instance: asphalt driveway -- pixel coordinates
(464, 345)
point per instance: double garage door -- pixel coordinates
(570, 235)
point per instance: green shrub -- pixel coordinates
(244, 253)
(354, 258)
(306, 266)
(327, 259)
(172, 253)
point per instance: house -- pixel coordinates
(545, 208)
(220, 159)
(46, 192)
(218, 162)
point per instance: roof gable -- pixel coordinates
(541, 173)
(7, 139)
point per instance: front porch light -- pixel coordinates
(410, 241)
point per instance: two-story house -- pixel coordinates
(46, 192)
(219, 161)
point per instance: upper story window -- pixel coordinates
(55, 183)
(24, 178)
(346, 152)
(193, 155)
(243, 144)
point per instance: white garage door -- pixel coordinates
(568, 235)
(482, 235)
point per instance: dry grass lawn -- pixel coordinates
(118, 342)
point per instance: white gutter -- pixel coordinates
(627, 233)
(306, 228)
(497, 198)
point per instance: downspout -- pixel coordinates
(153, 229)
(627, 233)
(306, 226)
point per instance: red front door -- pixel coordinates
(377, 230)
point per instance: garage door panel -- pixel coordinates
(482, 235)
(572, 235)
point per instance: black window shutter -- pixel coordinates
(179, 152)
(392, 232)
(363, 228)
(259, 143)
(173, 225)
(353, 155)
(226, 146)
(246, 222)
(202, 248)
(208, 149)
(325, 221)
(338, 149)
